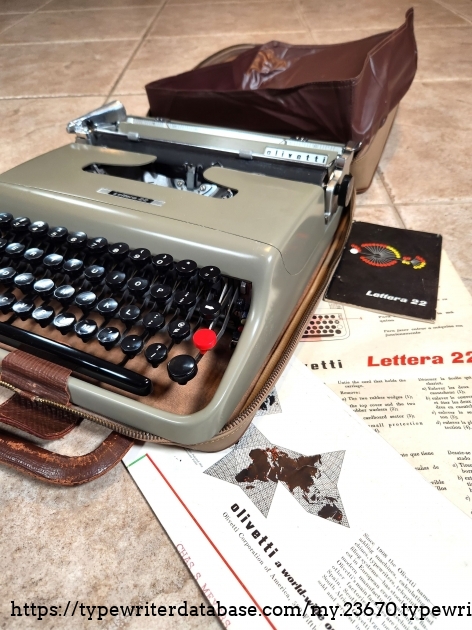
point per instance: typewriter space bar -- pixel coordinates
(75, 360)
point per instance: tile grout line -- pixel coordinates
(384, 183)
(130, 39)
(220, 34)
(397, 212)
(25, 15)
(213, 2)
(73, 41)
(39, 97)
(446, 80)
(437, 202)
(109, 8)
(429, 202)
(136, 50)
(376, 30)
(245, 32)
(174, 4)
(68, 41)
(454, 12)
(302, 17)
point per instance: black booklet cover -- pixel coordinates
(390, 270)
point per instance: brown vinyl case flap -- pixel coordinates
(334, 93)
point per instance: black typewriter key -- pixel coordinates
(77, 240)
(94, 273)
(86, 329)
(185, 300)
(64, 294)
(20, 225)
(64, 322)
(107, 307)
(57, 234)
(38, 229)
(108, 337)
(178, 330)
(129, 315)
(153, 322)
(5, 221)
(3, 244)
(73, 267)
(182, 368)
(7, 275)
(156, 353)
(115, 280)
(186, 268)
(25, 282)
(138, 286)
(209, 310)
(7, 300)
(162, 263)
(140, 257)
(24, 308)
(161, 293)
(86, 300)
(131, 345)
(43, 315)
(97, 245)
(53, 262)
(44, 287)
(209, 275)
(33, 256)
(15, 250)
(118, 251)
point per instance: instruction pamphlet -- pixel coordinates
(311, 521)
(411, 382)
(390, 270)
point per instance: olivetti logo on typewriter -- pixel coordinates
(115, 193)
(296, 156)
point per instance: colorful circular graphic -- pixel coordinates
(379, 254)
(382, 255)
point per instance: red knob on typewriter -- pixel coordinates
(204, 339)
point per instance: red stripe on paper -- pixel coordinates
(210, 541)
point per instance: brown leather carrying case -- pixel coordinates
(336, 93)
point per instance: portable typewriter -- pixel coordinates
(161, 261)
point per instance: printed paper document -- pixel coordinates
(410, 381)
(312, 512)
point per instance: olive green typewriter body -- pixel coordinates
(256, 211)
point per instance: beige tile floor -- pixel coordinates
(60, 58)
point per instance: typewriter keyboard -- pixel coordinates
(103, 296)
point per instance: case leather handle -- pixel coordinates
(31, 379)
(23, 455)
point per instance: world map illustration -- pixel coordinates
(257, 466)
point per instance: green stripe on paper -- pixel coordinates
(136, 461)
